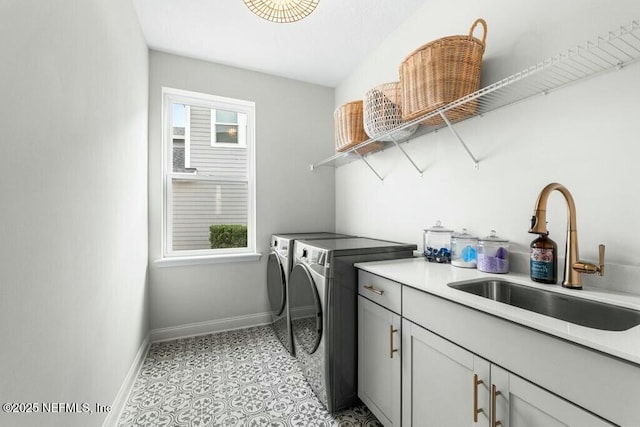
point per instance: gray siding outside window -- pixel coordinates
(199, 204)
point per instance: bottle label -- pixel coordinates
(541, 264)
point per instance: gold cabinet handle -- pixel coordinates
(476, 410)
(391, 349)
(374, 290)
(494, 416)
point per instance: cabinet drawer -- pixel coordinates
(382, 291)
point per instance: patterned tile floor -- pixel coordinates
(236, 378)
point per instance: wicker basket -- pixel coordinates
(441, 72)
(349, 128)
(383, 113)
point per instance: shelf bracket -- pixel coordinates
(450, 126)
(370, 167)
(406, 155)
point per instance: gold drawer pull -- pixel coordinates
(374, 290)
(391, 349)
(494, 416)
(476, 410)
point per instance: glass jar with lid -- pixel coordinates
(464, 249)
(493, 254)
(437, 243)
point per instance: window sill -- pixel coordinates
(207, 259)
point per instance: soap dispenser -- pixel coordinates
(543, 264)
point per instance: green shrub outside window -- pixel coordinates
(228, 236)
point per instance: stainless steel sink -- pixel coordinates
(582, 312)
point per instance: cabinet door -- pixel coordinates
(442, 384)
(520, 403)
(379, 359)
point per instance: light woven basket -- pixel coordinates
(441, 72)
(349, 128)
(383, 113)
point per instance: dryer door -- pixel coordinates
(305, 309)
(276, 284)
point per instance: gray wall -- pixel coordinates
(73, 184)
(294, 125)
(584, 136)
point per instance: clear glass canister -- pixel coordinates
(464, 248)
(493, 254)
(437, 243)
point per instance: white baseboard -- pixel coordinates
(125, 389)
(210, 326)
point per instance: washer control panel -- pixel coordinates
(311, 256)
(280, 245)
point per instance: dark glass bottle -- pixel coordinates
(543, 264)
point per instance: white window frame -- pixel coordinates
(242, 132)
(187, 136)
(169, 256)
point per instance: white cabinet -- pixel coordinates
(603, 385)
(379, 351)
(444, 384)
(427, 361)
(520, 403)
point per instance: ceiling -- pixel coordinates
(323, 48)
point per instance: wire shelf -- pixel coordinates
(609, 52)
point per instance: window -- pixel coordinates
(228, 129)
(209, 198)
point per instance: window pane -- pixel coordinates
(227, 134)
(210, 176)
(178, 155)
(178, 113)
(199, 205)
(226, 116)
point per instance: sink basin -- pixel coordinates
(582, 312)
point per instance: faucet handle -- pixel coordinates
(601, 260)
(588, 268)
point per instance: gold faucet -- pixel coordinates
(573, 267)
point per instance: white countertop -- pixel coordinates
(433, 278)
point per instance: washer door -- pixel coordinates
(305, 309)
(276, 284)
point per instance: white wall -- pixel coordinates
(584, 136)
(73, 185)
(294, 125)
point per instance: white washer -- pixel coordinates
(279, 265)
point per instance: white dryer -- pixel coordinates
(279, 265)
